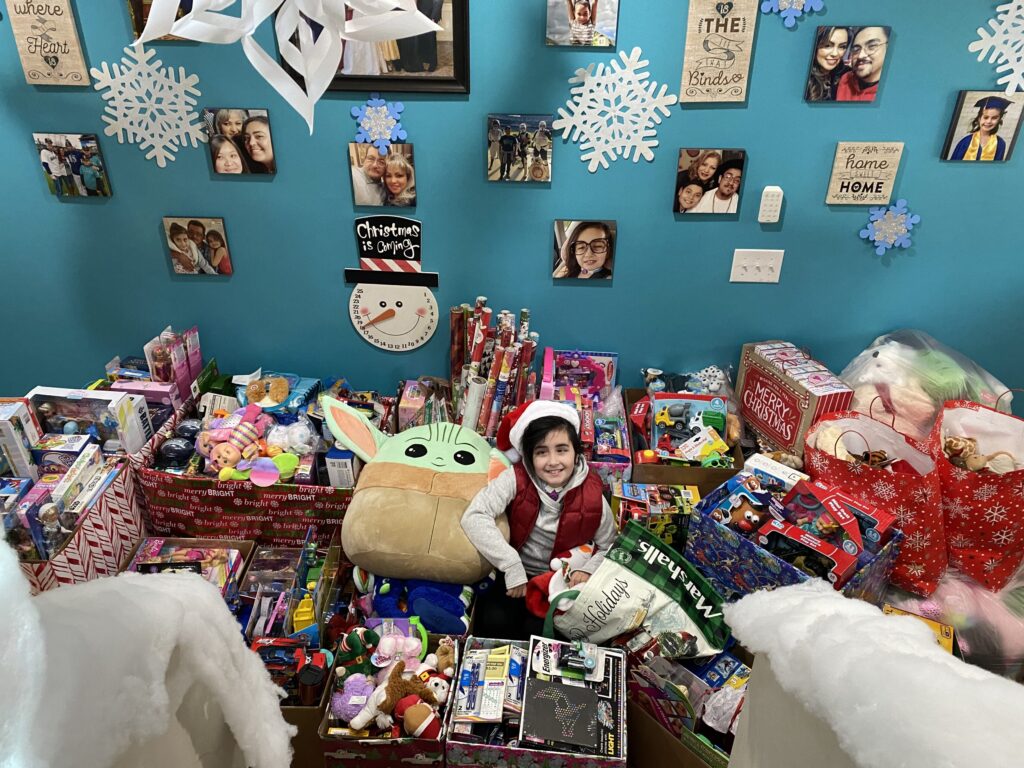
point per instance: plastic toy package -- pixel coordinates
(712, 380)
(904, 377)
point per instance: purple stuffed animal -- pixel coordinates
(347, 703)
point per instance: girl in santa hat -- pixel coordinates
(553, 502)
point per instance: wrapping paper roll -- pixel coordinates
(474, 399)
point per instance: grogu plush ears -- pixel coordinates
(440, 447)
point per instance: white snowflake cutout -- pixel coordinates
(148, 105)
(613, 111)
(1004, 45)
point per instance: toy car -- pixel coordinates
(673, 416)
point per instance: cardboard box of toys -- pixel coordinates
(650, 470)
(206, 507)
(342, 746)
(507, 695)
(106, 533)
(104, 414)
(664, 510)
(782, 391)
(724, 543)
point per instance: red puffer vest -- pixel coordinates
(582, 508)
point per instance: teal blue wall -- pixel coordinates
(84, 281)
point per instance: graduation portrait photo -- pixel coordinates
(984, 127)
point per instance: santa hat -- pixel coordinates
(510, 432)
(537, 594)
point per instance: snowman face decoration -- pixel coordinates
(397, 318)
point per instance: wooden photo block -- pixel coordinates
(864, 172)
(719, 43)
(47, 40)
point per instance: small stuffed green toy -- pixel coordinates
(354, 652)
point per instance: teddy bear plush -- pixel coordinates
(542, 589)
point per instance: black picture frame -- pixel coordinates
(457, 83)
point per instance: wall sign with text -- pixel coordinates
(719, 42)
(47, 41)
(864, 172)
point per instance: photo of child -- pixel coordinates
(72, 164)
(708, 180)
(586, 23)
(240, 140)
(846, 63)
(584, 250)
(197, 246)
(984, 127)
(518, 147)
(139, 10)
(388, 180)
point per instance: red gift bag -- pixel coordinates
(914, 498)
(984, 511)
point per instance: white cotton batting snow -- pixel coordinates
(892, 696)
(87, 671)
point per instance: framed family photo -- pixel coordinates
(383, 180)
(984, 127)
(583, 250)
(709, 180)
(435, 62)
(519, 147)
(197, 245)
(582, 23)
(72, 164)
(240, 140)
(847, 63)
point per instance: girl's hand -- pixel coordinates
(577, 578)
(519, 591)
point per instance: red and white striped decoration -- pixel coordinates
(391, 265)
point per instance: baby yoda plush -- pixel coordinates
(404, 520)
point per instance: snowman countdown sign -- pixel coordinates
(392, 305)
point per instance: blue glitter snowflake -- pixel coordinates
(379, 122)
(791, 10)
(890, 227)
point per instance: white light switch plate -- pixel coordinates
(750, 266)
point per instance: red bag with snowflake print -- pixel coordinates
(984, 510)
(909, 489)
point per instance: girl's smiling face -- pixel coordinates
(589, 261)
(832, 51)
(582, 11)
(396, 180)
(707, 167)
(988, 121)
(228, 160)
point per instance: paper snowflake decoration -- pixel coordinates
(1004, 45)
(379, 122)
(148, 105)
(890, 227)
(613, 111)
(791, 10)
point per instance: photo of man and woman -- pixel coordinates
(519, 147)
(984, 128)
(240, 140)
(72, 164)
(426, 55)
(846, 63)
(140, 9)
(709, 180)
(587, 23)
(382, 179)
(584, 250)
(197, 246)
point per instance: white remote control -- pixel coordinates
(771, 205)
